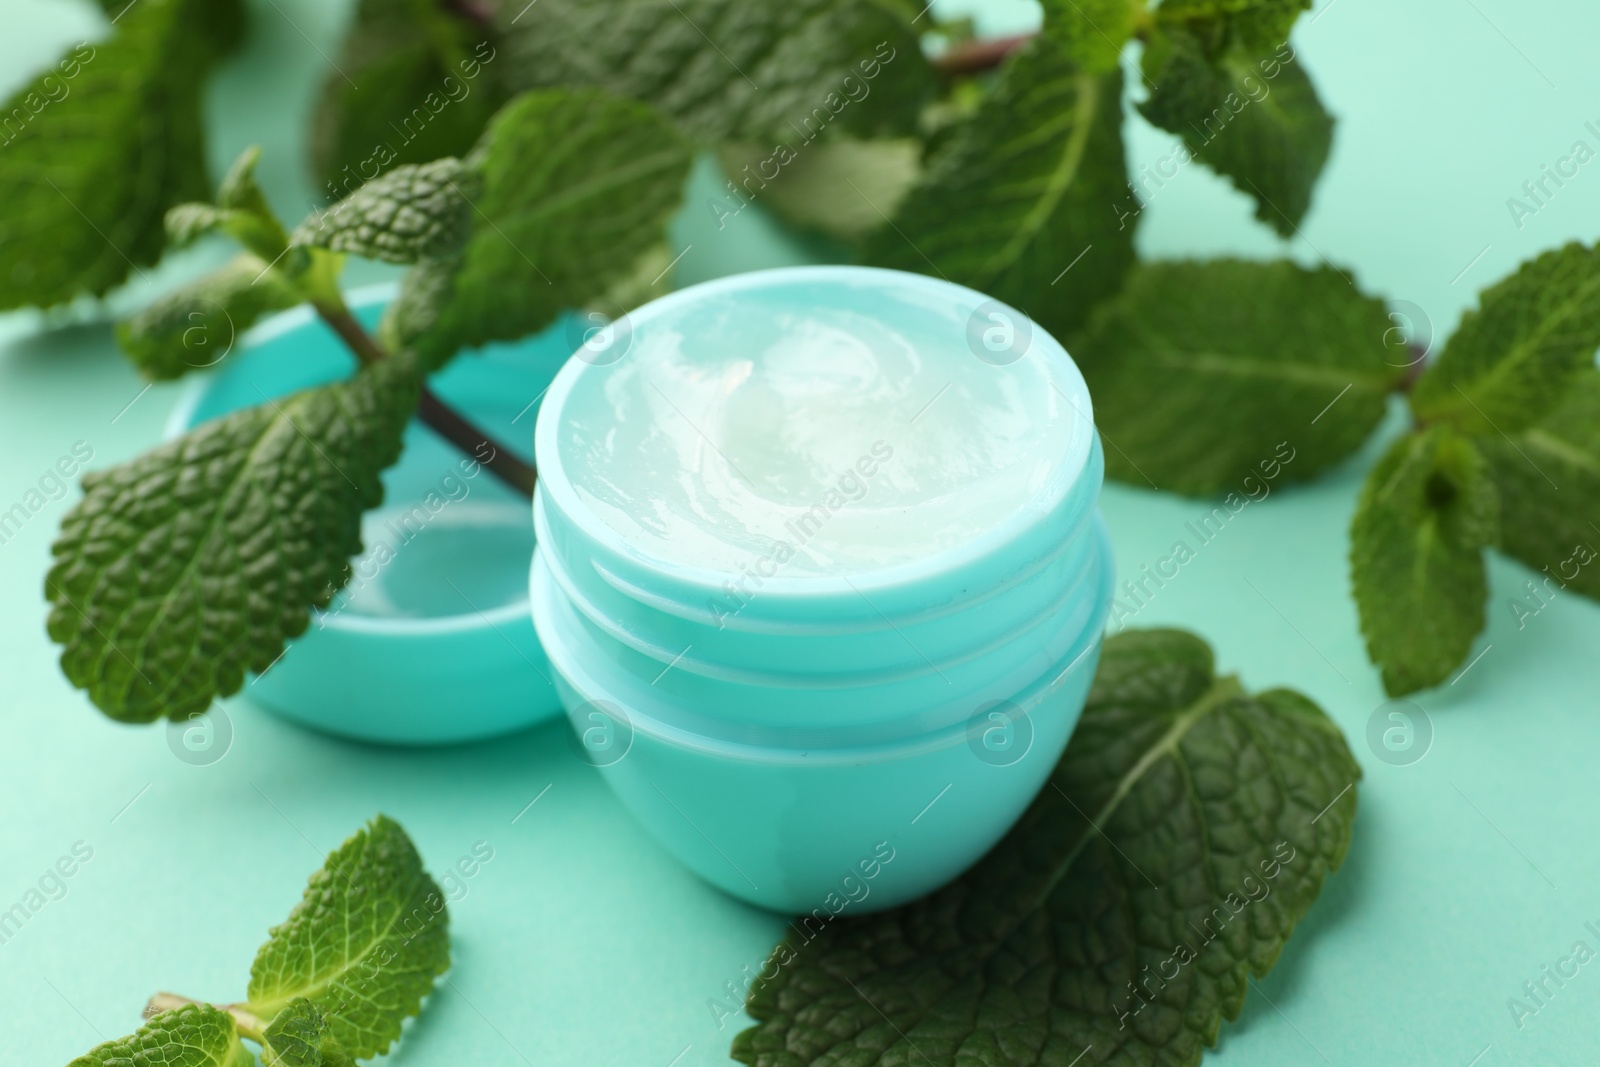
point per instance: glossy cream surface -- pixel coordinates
(806, 430)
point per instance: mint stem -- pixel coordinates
(248, 1023)
(438, 416)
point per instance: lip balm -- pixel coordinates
(820, 575)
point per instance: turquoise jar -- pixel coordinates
(820, 575)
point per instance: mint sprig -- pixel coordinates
(1516, 381)
(332, 985)
(194, 1035)
(1186, 831)
(192, 565)
(363, 946)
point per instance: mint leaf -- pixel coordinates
(731, 70)
(1013, 195)
(816, 193)
(1093, 31)
(1254, 25)
(1512, 358)
(1548, 481)
(1219, 815)
(197, 325)
(1254, 118)
(188, 566)
(298, 1037)
(363, 946)
(415, 211)
(107, 140)
(196, 1035)
(428, 87)
(1215, 376)
(575, 186)
(1427, 511)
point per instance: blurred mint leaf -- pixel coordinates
(193, 563)
(428, 77)
(298, 1037)
(108, 139)
(815, 191)
(196, 1035)
(1548, 480)
(1512, 359)
(240, 211)
(1426, 512)
(575, 186)
(1253, 25)
(1254, 118)
(1205, 374)
(1217, 815)
(1093, 31)
(196, 326)
(1013, 196)
(363, 947)
(730, 69)
(415, 211)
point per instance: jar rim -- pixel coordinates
(692, 582)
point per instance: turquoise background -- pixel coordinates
(581, 942)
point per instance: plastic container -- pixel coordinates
(431, 641)
(848, 732)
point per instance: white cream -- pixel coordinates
(822, 440)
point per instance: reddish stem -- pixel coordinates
(974, 57)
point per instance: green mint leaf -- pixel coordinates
(363, 946)
(187, 223)
(196, 1035)
(248, 218)
(241, 211)
(1253, 118)
(196, 326)
(1219, 816)
(415, 211)
(1221, 375)
(1253, 25)
(575, 186)
(188, 566)
(1512, 358)
(815, 192)
(1011, 197)
(428, 86)
(1548, 480)
(298, 1037)
(1426, 512)
(1093, 31)
(730, 70)
(108, 139)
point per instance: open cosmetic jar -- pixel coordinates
(820, 575)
